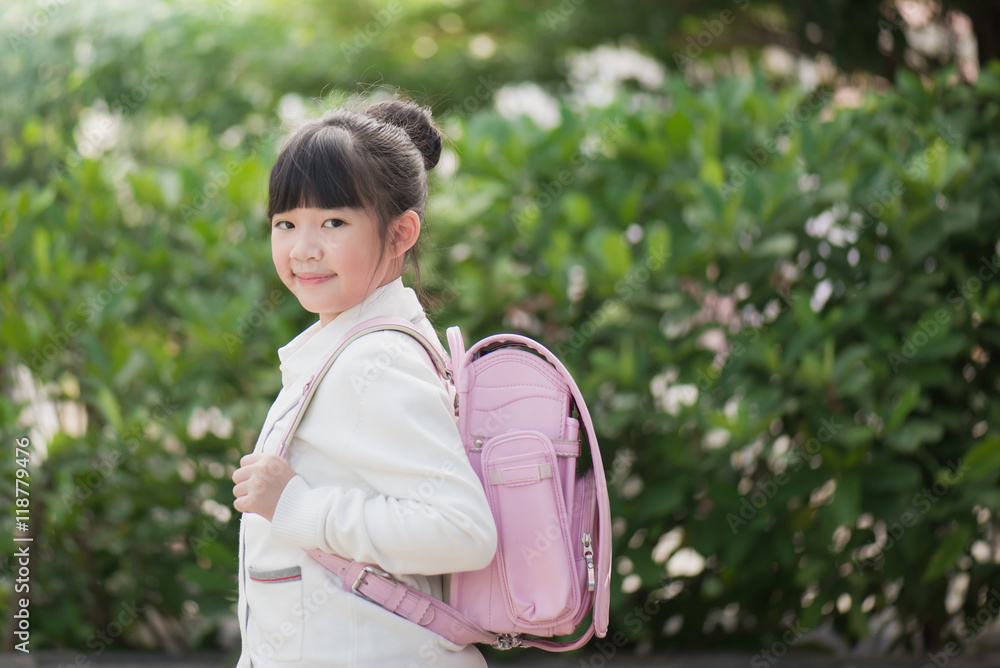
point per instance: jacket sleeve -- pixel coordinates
(419, 507)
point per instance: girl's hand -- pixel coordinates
(259, 482)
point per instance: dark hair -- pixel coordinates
(374, 159)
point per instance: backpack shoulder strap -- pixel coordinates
(367, 327)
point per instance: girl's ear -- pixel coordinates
(405, 230)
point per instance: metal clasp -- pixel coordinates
(508, 641)
(361, 578)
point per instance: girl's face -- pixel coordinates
(328, 258)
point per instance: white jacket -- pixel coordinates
(381, 477)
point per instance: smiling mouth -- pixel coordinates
(313, 279)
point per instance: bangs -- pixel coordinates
(315, 170)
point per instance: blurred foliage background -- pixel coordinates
(763, 235)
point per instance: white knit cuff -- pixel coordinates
(293, 519)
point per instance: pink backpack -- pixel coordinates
(515, 402)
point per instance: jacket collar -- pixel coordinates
(311, 346)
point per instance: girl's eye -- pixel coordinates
(287, 225)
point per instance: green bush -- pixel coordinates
(776, 309)
(772, 302)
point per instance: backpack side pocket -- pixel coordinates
(536, 559)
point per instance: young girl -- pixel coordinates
(376, 471)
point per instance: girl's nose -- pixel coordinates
(306, 247)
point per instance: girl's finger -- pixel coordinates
(249, 459)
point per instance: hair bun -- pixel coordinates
(417, 123)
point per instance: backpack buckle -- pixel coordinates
(358, 581)
(508, 641)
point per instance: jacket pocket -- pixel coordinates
(275, 598)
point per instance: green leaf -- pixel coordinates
(778, 245)
(983, 459)
(41, 201)
(914, 434)
(847, 361)
(628, 209)
(42, 247)
(907, 400)
(108, 406)
(947, 553)
(846, 503)
(679, 129)
(711, 172)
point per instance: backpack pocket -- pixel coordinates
(538, 570)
